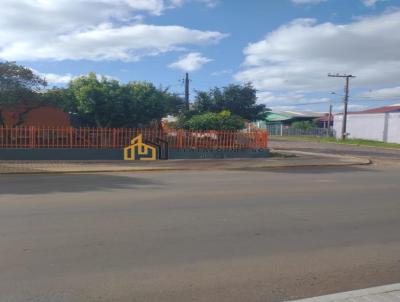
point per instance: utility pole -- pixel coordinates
(330, 120)
(187, 92)
(345, 100)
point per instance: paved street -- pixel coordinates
(259, 235)
(332, 148)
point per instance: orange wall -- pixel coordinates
(41, 116)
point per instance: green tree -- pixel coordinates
(143, 103)
(18, 84)
(240, 100)
(58, 97)
(223, 120)
(96, 101)
(174, 103)
(108, 103)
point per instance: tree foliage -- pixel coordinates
(240, 100)
(18, 84)
(107, 103)
(223, 120)
(303, 125)
(102, 102)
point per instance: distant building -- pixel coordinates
(380, 124)
(287, 118)
(324, 121)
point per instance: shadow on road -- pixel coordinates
(42, 184)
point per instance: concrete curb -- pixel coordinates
(358, 160)
(89, 171)
(334, 143)
(350, 295)
(349, 161)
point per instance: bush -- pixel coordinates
(213, 121)
(304, 125)
(240, 100)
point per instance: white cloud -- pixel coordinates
(308, 1)
(57, 79)
(298, 56)
(223, 72)
(370, 3)
(190, 62)
(208, 3)
(274, 99)
(387, 94)
(351, 107)
(52, 78)
(64, 29)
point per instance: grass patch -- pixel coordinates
(356, 142)
(281, 155)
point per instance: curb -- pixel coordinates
(90, 171)
(334, 143)
(354, 294)
(354, 161)
(360, 160)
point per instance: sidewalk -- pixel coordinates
(387, 293)
(301, 159)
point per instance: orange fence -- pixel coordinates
(50, 137)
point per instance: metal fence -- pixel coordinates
(58, 137)
(281, 130)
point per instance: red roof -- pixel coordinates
(385, 109)
(324, 118)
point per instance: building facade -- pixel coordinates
(379, 124)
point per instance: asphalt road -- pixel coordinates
(198, 236)
(332, 148)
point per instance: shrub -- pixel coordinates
(223, 120)
(304, 125)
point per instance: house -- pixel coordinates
(380, 124)
(324, 121)
(287, 118)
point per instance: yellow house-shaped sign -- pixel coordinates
(140, 151)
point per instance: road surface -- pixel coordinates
(379, 154)
(198, 236)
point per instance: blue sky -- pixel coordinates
(285, 47)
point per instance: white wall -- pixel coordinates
(377, 126)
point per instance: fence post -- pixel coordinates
(265, 139)
(281, 129)
(70, 137)
(180, 139)
(32, 138)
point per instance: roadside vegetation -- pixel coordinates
(223, 120)
(95, 101)
(303, 125)
(357, 142)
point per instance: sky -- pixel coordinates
(285, 48)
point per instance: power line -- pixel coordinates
(374, 98)
(312, 103)
(377, 99)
